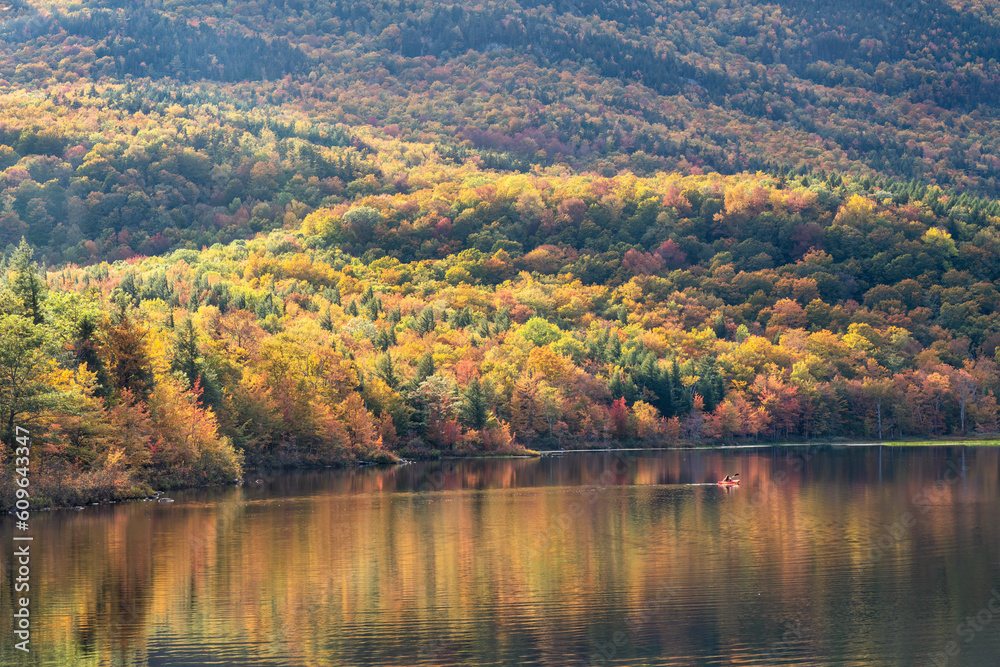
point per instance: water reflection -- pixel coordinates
(823, 555)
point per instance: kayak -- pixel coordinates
(734, 483)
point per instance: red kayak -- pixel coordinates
(733, 483)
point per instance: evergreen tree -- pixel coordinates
(664, 393)
(85, 351)
(614, 348)
(386, 370)
(719, 326)
(186, 352)
(425, 322)
(425, 368)
(615, 384)
(188, 361)
(27, 286)
(680, 398)
(125, 346)
(474, 411)
(501, 320)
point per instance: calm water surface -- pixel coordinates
(850, 555)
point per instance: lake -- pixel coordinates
(824, 555)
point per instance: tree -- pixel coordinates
(927, 395)
(26, 352)
(527, 408)
(77, 426)
(189, 361)
(237, 334)
(366, 441)
(187, 437)
(425, 322)
(425, 368)
(27, 286)
(647, 420)
(965, 389)
(85, 349)
(474, 412)
(782, 402)
(540, 332)
(437, 405)
(125, 347)
(131, 429)
(386, 370)
(325, 322)
(361, 223)
(878, 397)
(186, 352)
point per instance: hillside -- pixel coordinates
(416, 230)
(173, 123)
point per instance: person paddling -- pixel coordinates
(732, 478)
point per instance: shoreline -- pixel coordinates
(818, 443)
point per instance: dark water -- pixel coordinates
(854, 556)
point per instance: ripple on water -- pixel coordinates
(576, 559)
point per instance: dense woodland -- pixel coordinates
(244, 234)
(193, 123)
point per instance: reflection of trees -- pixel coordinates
(463, 560)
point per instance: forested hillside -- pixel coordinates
(316, 232)
(130, 130)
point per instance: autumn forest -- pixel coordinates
(311, 233)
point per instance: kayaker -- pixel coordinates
(728, 479)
